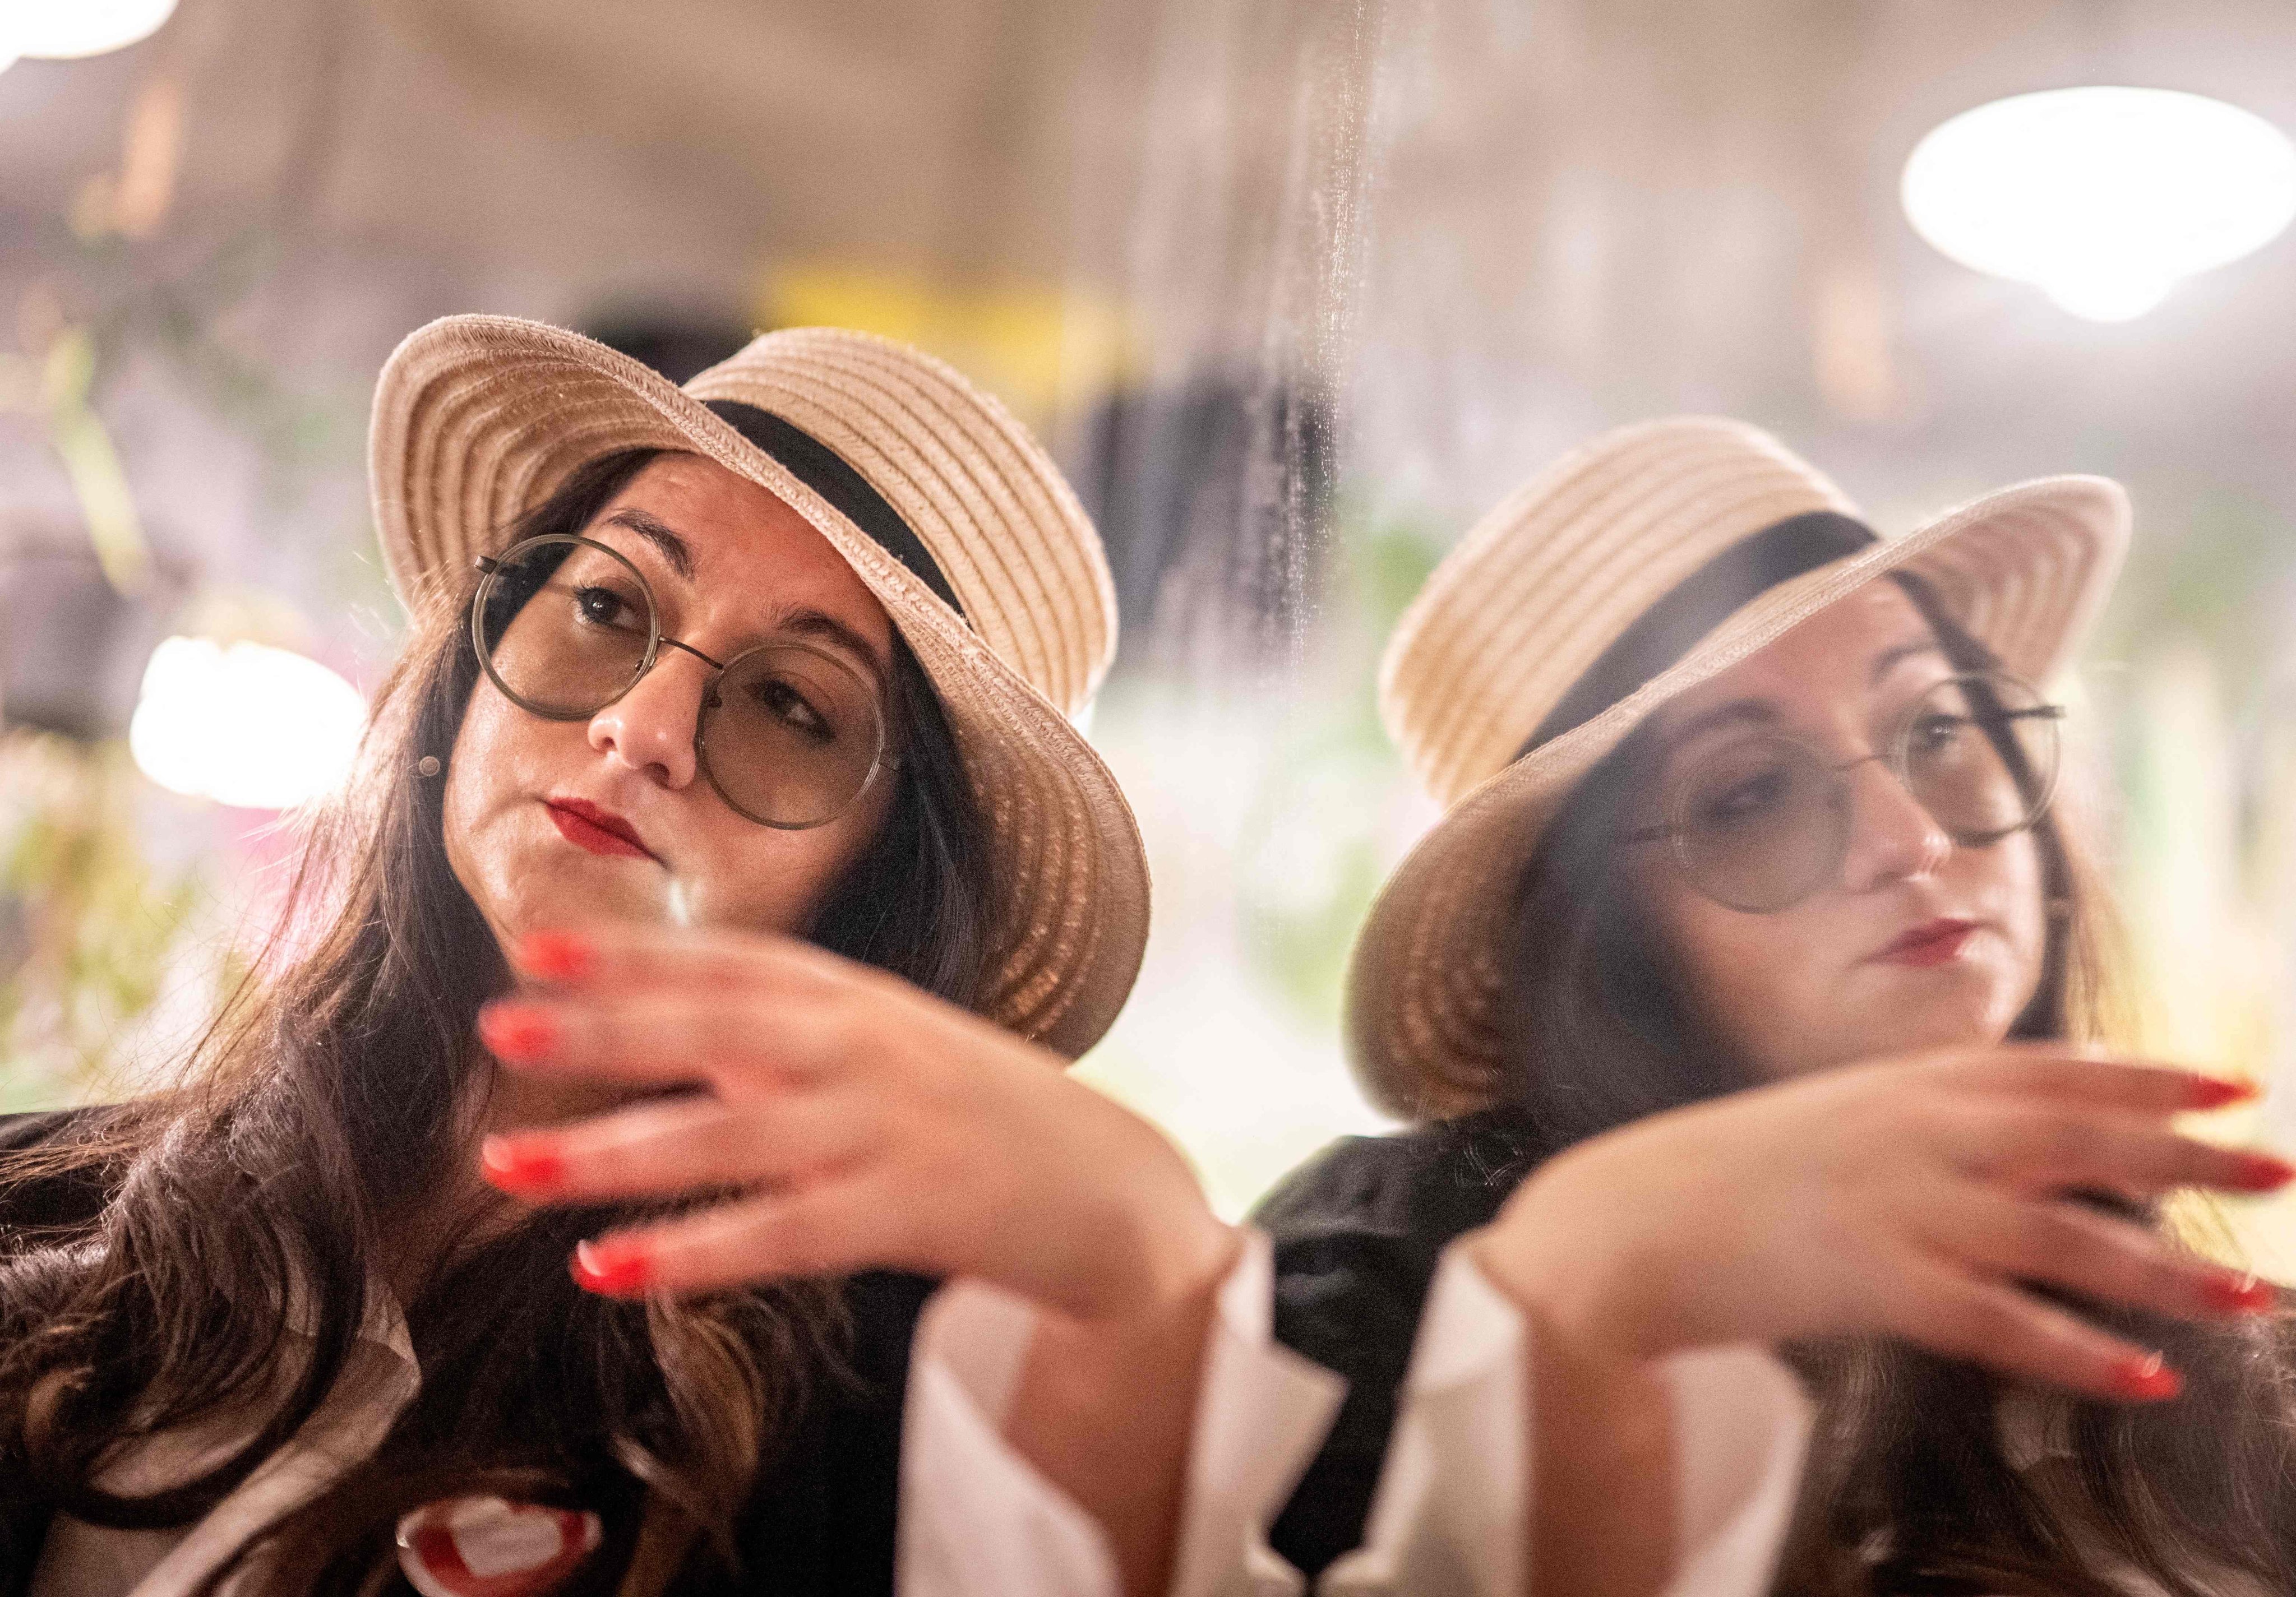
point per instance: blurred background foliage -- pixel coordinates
(90, 928)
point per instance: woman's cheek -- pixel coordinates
(1727, 967)
(782, 881)
(471, 769)
(1764, 1006)
(2007, 879)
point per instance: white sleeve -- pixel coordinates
(1450, 1518)
(977, 1520)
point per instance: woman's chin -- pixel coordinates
(1893, 1019)
(609, 892)
(1947, 1006)
(1959, 991)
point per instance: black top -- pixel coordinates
(820, 1522)
(1357, 1230)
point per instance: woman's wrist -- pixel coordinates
(1107, 1397)
(1184, 1257)
(1562, 1291)
(1151, 1245)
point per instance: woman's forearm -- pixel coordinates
(1106, 1410)
(1601, 1507)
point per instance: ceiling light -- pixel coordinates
(245, 724)
(65, 29)
(2103, 198)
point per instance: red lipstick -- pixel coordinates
(600, 830)
(1931, 943)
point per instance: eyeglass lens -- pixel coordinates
(1761, 822)
(567, 626)
(789, 735)
(1980, 751)
(1764, 822)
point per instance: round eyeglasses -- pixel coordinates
(1761, 822)
(788, 735)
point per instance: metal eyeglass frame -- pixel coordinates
(1674, 829)
(490, 567)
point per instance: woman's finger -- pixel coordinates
(829, 1228)
(2061, 1242)
(1950, 1312)
(621, 956)
(2072, 1074)
(684, 1145)
(2043, 1148)
(740, 1041)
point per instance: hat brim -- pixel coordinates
(478, 419)
(2026, 569)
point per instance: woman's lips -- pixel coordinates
(1931, 943)
(600, 830)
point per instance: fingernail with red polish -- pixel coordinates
(616, 1267)
(2241, 1292)
(556, 955)
(517, 1031)
(2148, 1379)
(2213, 1092)
(2262, 1173)
(521, 1164)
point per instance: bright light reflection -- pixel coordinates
(245, 724)
(66, 30)
(2104, 198)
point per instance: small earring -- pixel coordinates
(2057, 907)
(428, 766)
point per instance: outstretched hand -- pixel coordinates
(841, 1119)
(1913, 1197)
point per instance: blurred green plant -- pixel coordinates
(54, 391)
(93, 931)
(92, 927)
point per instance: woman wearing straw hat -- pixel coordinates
(733, 730)
(1742, 995)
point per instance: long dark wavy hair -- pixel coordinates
(334, 1092)
(1909, 1489)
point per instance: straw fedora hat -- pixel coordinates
(945, 507)
(1693, 539)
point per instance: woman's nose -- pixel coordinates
(650, 727)
(1892, 837)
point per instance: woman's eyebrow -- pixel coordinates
(806, 622)
(820, 624)
(673, 550)
(1889, 659)
(1756, 712)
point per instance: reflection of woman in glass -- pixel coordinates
(789, 652)
(1742, 795)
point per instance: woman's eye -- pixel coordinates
(1937, 732)
(602, 607)
(1743, 800)
(788, 705)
